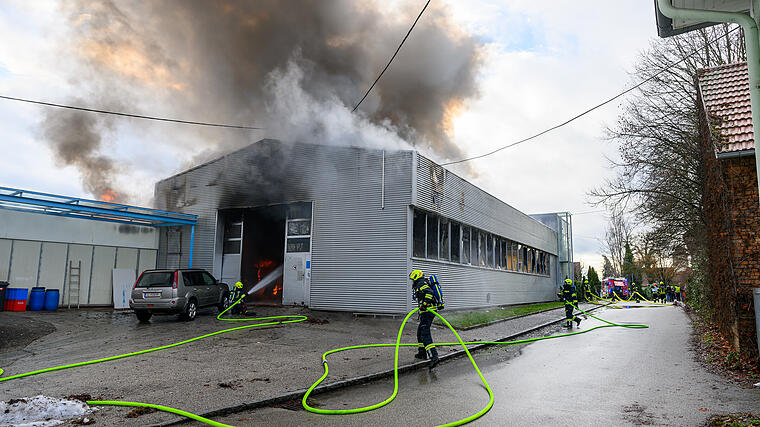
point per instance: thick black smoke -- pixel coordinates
(295, 68)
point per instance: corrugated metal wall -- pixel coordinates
(464, 286)
(359, 250)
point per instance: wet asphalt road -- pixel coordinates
(611, 376)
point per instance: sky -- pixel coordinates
(543, 62)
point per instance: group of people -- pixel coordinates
(665, 294)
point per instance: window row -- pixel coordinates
(439, 238)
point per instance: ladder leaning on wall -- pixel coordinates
(75, 274)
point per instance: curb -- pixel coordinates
(298, 394)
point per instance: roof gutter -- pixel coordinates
(733, 154)
(752, 44)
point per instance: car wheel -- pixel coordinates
(143, 316)
(190, 311)
(225, 302)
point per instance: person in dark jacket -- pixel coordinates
(237, 293)
(569, 295)
(424, 296)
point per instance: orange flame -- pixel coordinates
(108, 196)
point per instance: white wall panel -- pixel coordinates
(147, 261)
(101, 287)
(5, 258)
(78, 253)
(126, 258)
(25, 260)
(53, 265)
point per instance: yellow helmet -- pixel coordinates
(239, 285)
(662, 283)
(568, 282)
(415, 274)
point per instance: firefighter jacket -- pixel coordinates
(568, 294)
(235, 295)
(423, 294)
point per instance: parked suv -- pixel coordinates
(181, 291)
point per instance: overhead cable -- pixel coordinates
(601, 104)
(392, 57)
(122, 114)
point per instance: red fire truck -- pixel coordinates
(618, 285)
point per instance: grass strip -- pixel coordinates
(479, 318)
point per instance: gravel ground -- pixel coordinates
(236, 367)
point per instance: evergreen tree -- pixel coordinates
(608, 271)
(593, 281)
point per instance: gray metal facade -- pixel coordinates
(363, 200)
(465, 286)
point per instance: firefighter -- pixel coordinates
(586, 290)
(236, 294)
(678, 293)
(570, 297)
(662, 291)
(424, 296)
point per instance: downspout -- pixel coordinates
(752, 44)
(192, 241)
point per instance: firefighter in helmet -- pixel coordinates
(237, 293)
(569, 295)
(424, 296)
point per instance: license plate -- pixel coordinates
(151, 295)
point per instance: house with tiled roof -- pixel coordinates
(730, 199)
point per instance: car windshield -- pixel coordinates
(155, 279)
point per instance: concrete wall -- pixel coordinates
(36, 250)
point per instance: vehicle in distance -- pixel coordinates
(178, 291)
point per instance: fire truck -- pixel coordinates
(618, 285)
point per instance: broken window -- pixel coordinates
(466, 258)
(418, 234)
(444, 238)
(455, 242)
(432, 236)
(299, 227)
(300, 244)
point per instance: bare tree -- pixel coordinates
(659, 177)
(617, 235)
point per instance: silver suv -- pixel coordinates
(181, 291)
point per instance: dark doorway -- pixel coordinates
(263, 251)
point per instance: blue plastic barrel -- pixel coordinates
(37, 299)
(51, 299)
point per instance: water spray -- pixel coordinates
(269, 278)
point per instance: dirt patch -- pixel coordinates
(317, 321)
(734, 420)
(638, 415)
(290, 405)
(717, 356)
(80, 397)
(18, 331)
(140, 411)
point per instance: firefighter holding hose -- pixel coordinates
(236, 294)
(569, 295)
(426, 298)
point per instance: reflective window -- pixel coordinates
(443, 232)
(466, 258)
(455, 242)
(418, 234)
(432, 236)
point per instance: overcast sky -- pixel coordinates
(544, 62)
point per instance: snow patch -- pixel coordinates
(41, 411)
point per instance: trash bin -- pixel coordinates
(3, 287)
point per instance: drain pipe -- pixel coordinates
(752, 44)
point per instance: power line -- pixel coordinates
(392, 57)
(122, 114)
(577, 116)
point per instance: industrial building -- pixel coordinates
(74, 245)
(347, 224)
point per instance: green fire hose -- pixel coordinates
(277, 320)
